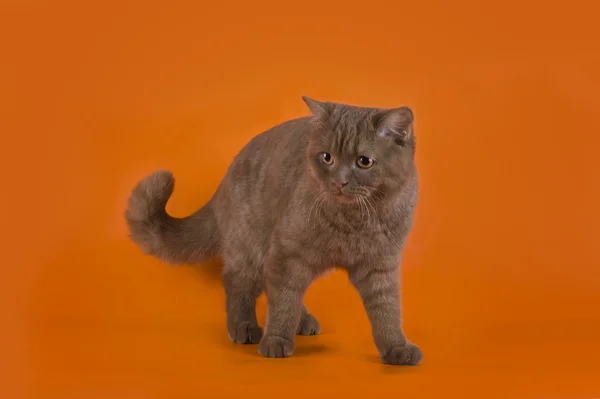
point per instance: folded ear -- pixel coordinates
(317, 108)
(396, 123)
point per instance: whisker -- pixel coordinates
(320, 201)
(320, 204)
(312, 206)
(372, 204)
(365, 200)
(362, 214)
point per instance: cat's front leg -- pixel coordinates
(379, 287)
(287, 281)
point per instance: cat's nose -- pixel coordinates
(339, 184)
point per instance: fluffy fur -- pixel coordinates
(334, 189)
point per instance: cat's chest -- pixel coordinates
(346, 245)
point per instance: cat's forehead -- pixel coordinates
(349, 115)
(350, 130)
(353, 138)
(351, 122)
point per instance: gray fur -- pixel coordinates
(282, 217)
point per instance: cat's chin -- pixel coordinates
(342, 198)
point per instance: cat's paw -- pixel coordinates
(274, 346)
(408, 354)
(309, 325)
(245, 332)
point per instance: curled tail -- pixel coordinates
(191, 239)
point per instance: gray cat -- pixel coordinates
(334, 189)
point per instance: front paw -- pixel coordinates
(274, 346)
(408, 354)
(245, 332)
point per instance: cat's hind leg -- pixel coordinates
(243, 285)
(309, 325)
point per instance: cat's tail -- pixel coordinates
(191, 239)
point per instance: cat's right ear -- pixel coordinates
(319, 109)
(396, 123)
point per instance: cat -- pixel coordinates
(336, 188)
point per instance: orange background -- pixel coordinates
(501, 276)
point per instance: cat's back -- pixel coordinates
(264, 173)
(289, 135)
(269, 154)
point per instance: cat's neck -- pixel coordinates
(371, 213)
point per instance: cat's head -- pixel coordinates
(358, 152)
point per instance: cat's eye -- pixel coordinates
(364, 162)
(327, 158)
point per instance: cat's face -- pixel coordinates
(360, 153)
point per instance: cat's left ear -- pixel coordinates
(396, 123)
(319, 109)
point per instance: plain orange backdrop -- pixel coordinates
(501, 279)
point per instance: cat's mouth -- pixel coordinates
(343, 197)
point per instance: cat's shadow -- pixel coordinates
(303, 349)
(390, 369)
(306, 346)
